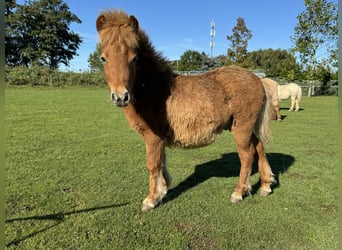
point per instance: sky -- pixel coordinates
(176, 26)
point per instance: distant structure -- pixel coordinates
(260, 74)
(212, 34)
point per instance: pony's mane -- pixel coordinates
(118, 29)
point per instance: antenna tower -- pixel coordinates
(212, 34)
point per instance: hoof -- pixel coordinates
(145, 207)
(265, 192)
(234, 198)
(279, 120)
(150, 204)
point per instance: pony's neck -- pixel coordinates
(152, 61)
(153, 70)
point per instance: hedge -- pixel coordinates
(43, 76)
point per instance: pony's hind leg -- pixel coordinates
(160, 179)
(292, 103)
(297, 105)
(246, 152)
(265, 171)
(277, 110)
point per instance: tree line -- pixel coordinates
(37, 33)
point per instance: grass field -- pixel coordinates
(76, 177)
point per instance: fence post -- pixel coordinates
(313, 90)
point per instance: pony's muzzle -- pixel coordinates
(120, 99)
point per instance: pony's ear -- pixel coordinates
(99, 22)
(133, 22)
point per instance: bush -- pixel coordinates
(44, 76)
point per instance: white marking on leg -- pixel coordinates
(162, 190)
(166, 175)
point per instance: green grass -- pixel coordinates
(76, 177)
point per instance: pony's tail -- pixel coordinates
(262, 127)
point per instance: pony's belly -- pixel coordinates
(195, 129)
(188, 135)
(190, 141)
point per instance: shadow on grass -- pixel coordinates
(229, 166)
(57, 217)
(282, 117)
(287, 109)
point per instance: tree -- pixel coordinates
(38, 33)
(94, 60)
(316, 34)
(276, 63)
(193, 60)
(190, 60)
(208, 63)
(239, 42)
(9, 6)
(11, 51)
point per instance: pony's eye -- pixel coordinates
(103, 60)
(134, 60)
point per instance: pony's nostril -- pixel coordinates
(126, 98)
(113, 97)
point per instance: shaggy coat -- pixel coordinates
(167, 109)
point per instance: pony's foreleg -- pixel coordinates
(246, 152)
(160, 179)
(265, 171)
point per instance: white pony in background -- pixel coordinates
(282, 92)
(292, 90)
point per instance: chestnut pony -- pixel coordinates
(171, 110)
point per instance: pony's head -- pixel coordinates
(119, 38)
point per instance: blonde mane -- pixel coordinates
(117, 28)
